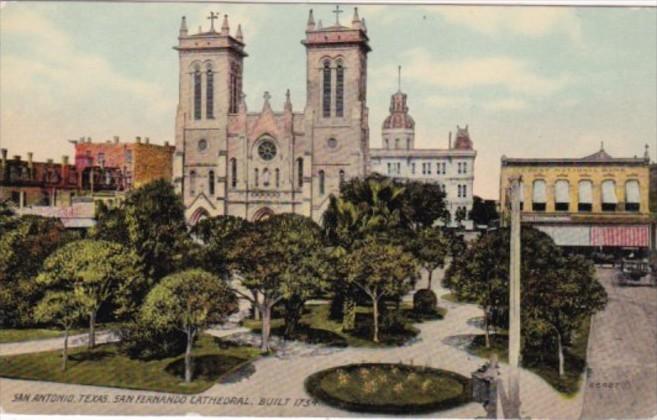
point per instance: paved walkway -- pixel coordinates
(274, 386)
(48, 344)
(622, 353)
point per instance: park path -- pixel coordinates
(622, 353)
(48, 344)
(274, 385)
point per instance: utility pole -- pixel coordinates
(514, 302)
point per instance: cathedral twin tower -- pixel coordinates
(229, 161)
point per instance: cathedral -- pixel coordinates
(231, 161)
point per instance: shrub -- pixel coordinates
(424, 302)
(142, 341)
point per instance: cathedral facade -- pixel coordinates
(230, 161)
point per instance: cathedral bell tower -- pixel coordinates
(336, 103)
(210, 88)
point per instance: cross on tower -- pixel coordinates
(212, 17)
(267, 96)
(337, 12)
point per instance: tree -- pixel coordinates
(483, 211)
(150, 221)
(24, 243)
(61, 308)
(218, 234)
(96, 271)
(379, 270)
(573, 295)
(189, 301)
(430, 248)
(424, 205)
(460, 216)
(280, 258)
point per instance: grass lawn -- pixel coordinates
(316, 327)
(105, 366)
(11, 335)
(544, 365)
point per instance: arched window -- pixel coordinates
(257, 177)
(277, 177)
(632, 196)
(211, 182)
(197, 93)
(234, 90)
(386, 143)
(192, 182)
(342, 176)
(609, 199)
(562, 195)
(321, 183)
(300, 172)
(585, 196)
(339, 90)
(326, 90)
(408, 143)
(265, 177)
(539, 196)
(233, 172)
(209, 94)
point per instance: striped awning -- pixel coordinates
(631, 236)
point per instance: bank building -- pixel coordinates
(251, 164)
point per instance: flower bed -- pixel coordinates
(389, 388)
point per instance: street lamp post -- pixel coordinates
(514, 302)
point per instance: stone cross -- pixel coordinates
(212, 17)
(337, 12)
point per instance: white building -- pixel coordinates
(452, 168)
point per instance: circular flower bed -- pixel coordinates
(389, 388)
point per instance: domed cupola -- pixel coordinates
(463, 141)
(399, 127)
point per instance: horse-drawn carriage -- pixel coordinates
(636, 272)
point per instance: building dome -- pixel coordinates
(399, 117)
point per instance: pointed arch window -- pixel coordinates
(233, 172)
(342, 176)
(339, 90)
(234, 88)
(326, 90)
(211, 182)
(322, 186)
(209, 93)
(192, 182)
(257, 177)
(197, 93)
(277, 177)
(300, 172)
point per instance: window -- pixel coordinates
(100, 159)
(233, 172)
(235, 89)
(428, 168)
(197, 94)
(437, 168)
(277, 177)
(192, 182)
(396, 143)
(408, 143)
(424, 169)
(202, 145)
(326, 90)
(562, 195)
(267, 150)
(386, 144)
(444, 168)
(609, 199)
(465, 167)
(539, 196)
(257, 177)
(209, 94)
(339, 91)
(398, 168)
(413, 168)
(459, 168)
(300, 172)
(128, 157)
(16, 197)
(585, 196)
(342, 176)
(321, 182)
(458, 194)
(211, 182)
(332, 143)
(465, 191)
(265, 177)
(632, 196)
(389, 168)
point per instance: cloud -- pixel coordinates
(67, 91)
(507, 104)
(509, 73)
(527, 21)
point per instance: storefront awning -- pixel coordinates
(630, 236)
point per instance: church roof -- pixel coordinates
(399, 117)
(601, 157)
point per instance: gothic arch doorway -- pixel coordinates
(262, 214)
(198, 215)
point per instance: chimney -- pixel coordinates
(81, 139)
(88, 139)
(49, 161)
(138, 139)
(147, 140)
(65, 169)
(30, 163)
(450, 139)
(166, 144)
(17, 158)
(116, 139)
(64, 160)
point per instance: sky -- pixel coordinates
(528, 81)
